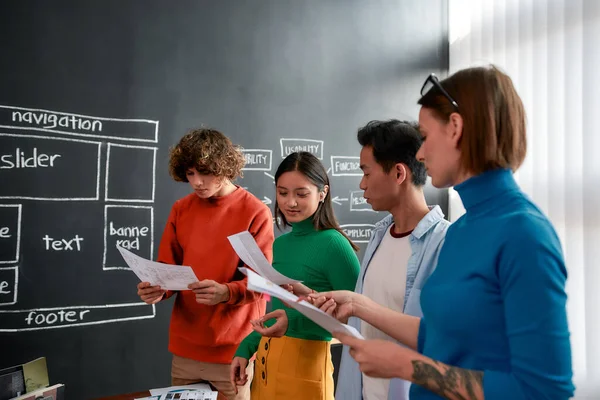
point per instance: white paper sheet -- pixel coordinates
(246, 248)
(195, 386)
(167, 276)
(184, 395)
(326, 321)
(197, 391)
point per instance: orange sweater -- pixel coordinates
(196, 235)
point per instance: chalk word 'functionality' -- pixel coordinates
(345, 166)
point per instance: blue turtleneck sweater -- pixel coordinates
(496, 301)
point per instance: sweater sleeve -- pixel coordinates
(169, 249)
(262, 231)
(341, 264)
(532, 277)
(249, 345)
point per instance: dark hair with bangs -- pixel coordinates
(310, 166)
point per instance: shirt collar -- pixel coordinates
(430, 219)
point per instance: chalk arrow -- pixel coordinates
(266, 200)
(338, 200)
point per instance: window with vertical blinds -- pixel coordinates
(551, 49)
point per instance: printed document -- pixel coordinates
(167, 276)
(246, 248)
(326, 321)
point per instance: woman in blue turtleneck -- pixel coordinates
(494, 323)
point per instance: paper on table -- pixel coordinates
(202, 390)
(184, 394)
(194, 386)
(246, 248)
(263, 285)
(167, 276)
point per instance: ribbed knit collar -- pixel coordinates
(486, 186)
(236, 195)
(303, 227)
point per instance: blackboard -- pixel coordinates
(93, 94)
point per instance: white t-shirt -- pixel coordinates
(385, 283)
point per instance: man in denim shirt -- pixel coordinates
(404, 246)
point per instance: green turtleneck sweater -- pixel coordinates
(323, 261)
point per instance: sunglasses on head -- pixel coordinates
(433, 81)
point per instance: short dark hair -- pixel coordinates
(494, 132)
(394, 141)
(310, 166)
(209, 151)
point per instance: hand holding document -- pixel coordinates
(246, 248)
(326, 321)
(167, 276)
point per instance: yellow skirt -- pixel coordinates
(289, 368)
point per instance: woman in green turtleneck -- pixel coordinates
(298, 365)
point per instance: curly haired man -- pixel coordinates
(210, 320)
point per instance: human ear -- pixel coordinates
(400, 171)
(323, 193)
(455, 127)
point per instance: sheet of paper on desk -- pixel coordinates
(167, 276)
(246, 248)
(190, 395)
(184, 395)
(326, 321)
(197, 391)
(195, 386)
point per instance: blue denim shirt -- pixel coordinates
(425, 241)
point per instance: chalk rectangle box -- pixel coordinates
(58, 122)
(130, 173)
(345, 166)
(132, 227)
(10, 233)
(48, 168)
(358, 202)
(71, 316)
(9, 285)
(292, 145)
(258, 159)
(358, 233)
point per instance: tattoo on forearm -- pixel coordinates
(449, 382)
